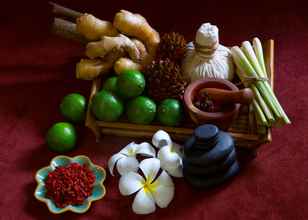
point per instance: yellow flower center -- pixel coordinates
(150, 187)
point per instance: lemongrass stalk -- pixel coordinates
(251, 56)
(260, 117)
(267, 112)
(280, 109)
(243, 64)
(257, 109)
(268, 94)
(257, 47)
(268, 98)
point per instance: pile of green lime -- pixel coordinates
(128, 88)
(108, 105)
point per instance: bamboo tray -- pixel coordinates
(243, 129)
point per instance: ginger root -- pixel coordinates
(125, 64)
(142, 49)
(135, 25)
(89, 69)
(93, 28)
(108, 44)
(109, 47)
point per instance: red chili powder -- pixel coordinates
(69, 185)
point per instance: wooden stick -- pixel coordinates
(269, 60)
(151, 128)
(63, 11)
(269, 63)
(66, 29)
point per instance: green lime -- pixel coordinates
(170, 112)
(61, 137)
(130, 84)
(73, 107)
(106, 106)
(111, 84)
(141, 110)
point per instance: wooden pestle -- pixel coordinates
(244, 96)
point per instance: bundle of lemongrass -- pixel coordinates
(251, 70)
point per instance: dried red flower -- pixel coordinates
(69, 185)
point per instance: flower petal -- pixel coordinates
(161, 138)
(175, 171)
(127, 164)
(130, 183)
(144, 203)
(168, 157)
(146, 149)
(130, 149)
(113, 160)
(170, 160)
(164, 192)
(150, 168)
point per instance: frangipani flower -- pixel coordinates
(169, 154)
(150, 188)
(126, 160)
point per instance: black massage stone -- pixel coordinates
(204, 138)
(206, 132)
(221, 150)
(218, 167)
(208, 181)
(190, 143)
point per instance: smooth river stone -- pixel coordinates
(218, 167)
(208, 181)
(193, 145)
(216, 154)
(206, 132)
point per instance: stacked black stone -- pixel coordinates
(209, 157)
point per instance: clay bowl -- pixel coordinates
(222, 119)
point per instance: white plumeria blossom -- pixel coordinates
(150, 189)
(126, 160)
(169, 154)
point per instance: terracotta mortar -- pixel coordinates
(222, 119)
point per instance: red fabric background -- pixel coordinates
(37, 70)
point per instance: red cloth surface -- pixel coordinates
(37, 70)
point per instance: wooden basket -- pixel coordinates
(243, 129)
